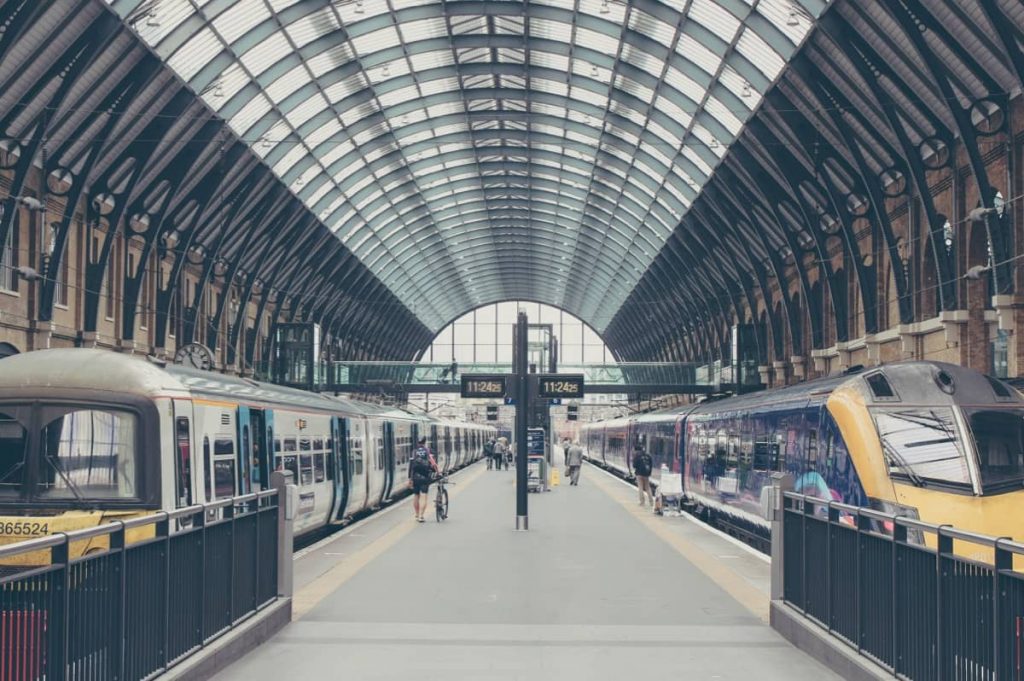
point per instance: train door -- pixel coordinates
(434, 442)
(185, 468)
(244, 440)
(338, 451)
(389, 459)
(262, 442)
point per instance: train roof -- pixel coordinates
(116, 373)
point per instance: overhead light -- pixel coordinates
(152, 19)
(299, 182)
(405, 119)
(218, 91)
(746, 90)
(593, 71)
(359, 7)
(714, 143)
(265, 142)
(605, 8)
(386, 70)
(793, 20)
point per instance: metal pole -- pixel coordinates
(522, 411)
(282, 481)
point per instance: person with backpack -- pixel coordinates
(422, 468)
(489, 452)
(499, 453)
(642, 465)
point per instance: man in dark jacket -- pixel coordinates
(489, 453)
(422, 468)
(642, 465)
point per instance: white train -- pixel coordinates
(89, 435)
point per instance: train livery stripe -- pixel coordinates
(851, 415)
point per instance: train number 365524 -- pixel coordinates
(24, 528)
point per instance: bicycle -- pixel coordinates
(441, 499)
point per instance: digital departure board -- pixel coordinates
(484, 385)
(560, 385)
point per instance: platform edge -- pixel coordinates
(814, 640)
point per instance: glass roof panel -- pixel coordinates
(401, 123)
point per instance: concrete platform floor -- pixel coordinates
(597, 589)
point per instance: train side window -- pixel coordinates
(207, 464)
(223, 447)
(329, 454)
(306, 462)
(183, 461)
(13, 442)
(319, 469)
(224, 478)
(290, 462)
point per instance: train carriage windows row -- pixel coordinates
(83, 454)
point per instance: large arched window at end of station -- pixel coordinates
(484, 336)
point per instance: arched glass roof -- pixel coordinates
(475, 151)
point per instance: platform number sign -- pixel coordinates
(483, 385)
(561, 386)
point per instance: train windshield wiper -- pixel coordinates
(900, 461)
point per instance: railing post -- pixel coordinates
(229, 514)
(863, 523)
(200, 520)
(163, 529)
(776, 511)
(117, 543)
(1002, 560)
(833, 517)
(899, 538)
(282, 481)
(808, 508)
(258, 517)
(944, 546)
(62, 554)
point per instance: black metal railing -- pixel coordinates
(902, 592)
(149, 591)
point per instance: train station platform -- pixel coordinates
(597, 589)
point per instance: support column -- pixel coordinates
(798, 366)
(522, 412)
(780, 373)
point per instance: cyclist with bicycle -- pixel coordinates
(422, 468)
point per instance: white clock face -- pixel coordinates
(194, 355)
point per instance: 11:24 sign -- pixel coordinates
(560, 385)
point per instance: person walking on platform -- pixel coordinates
(642, 465)
(499, 453)
(422, 467)
(566, 444)
(489, 453)
(574, 459)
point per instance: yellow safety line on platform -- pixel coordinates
(750, 597)
(309, 596)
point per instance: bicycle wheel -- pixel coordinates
(441, 505)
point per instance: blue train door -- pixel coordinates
(244, 450)
(389, 459)
(339, 462)
(262, 444)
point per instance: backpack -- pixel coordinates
(421, 464)
(642, 464)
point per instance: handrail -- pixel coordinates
(114, 525)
